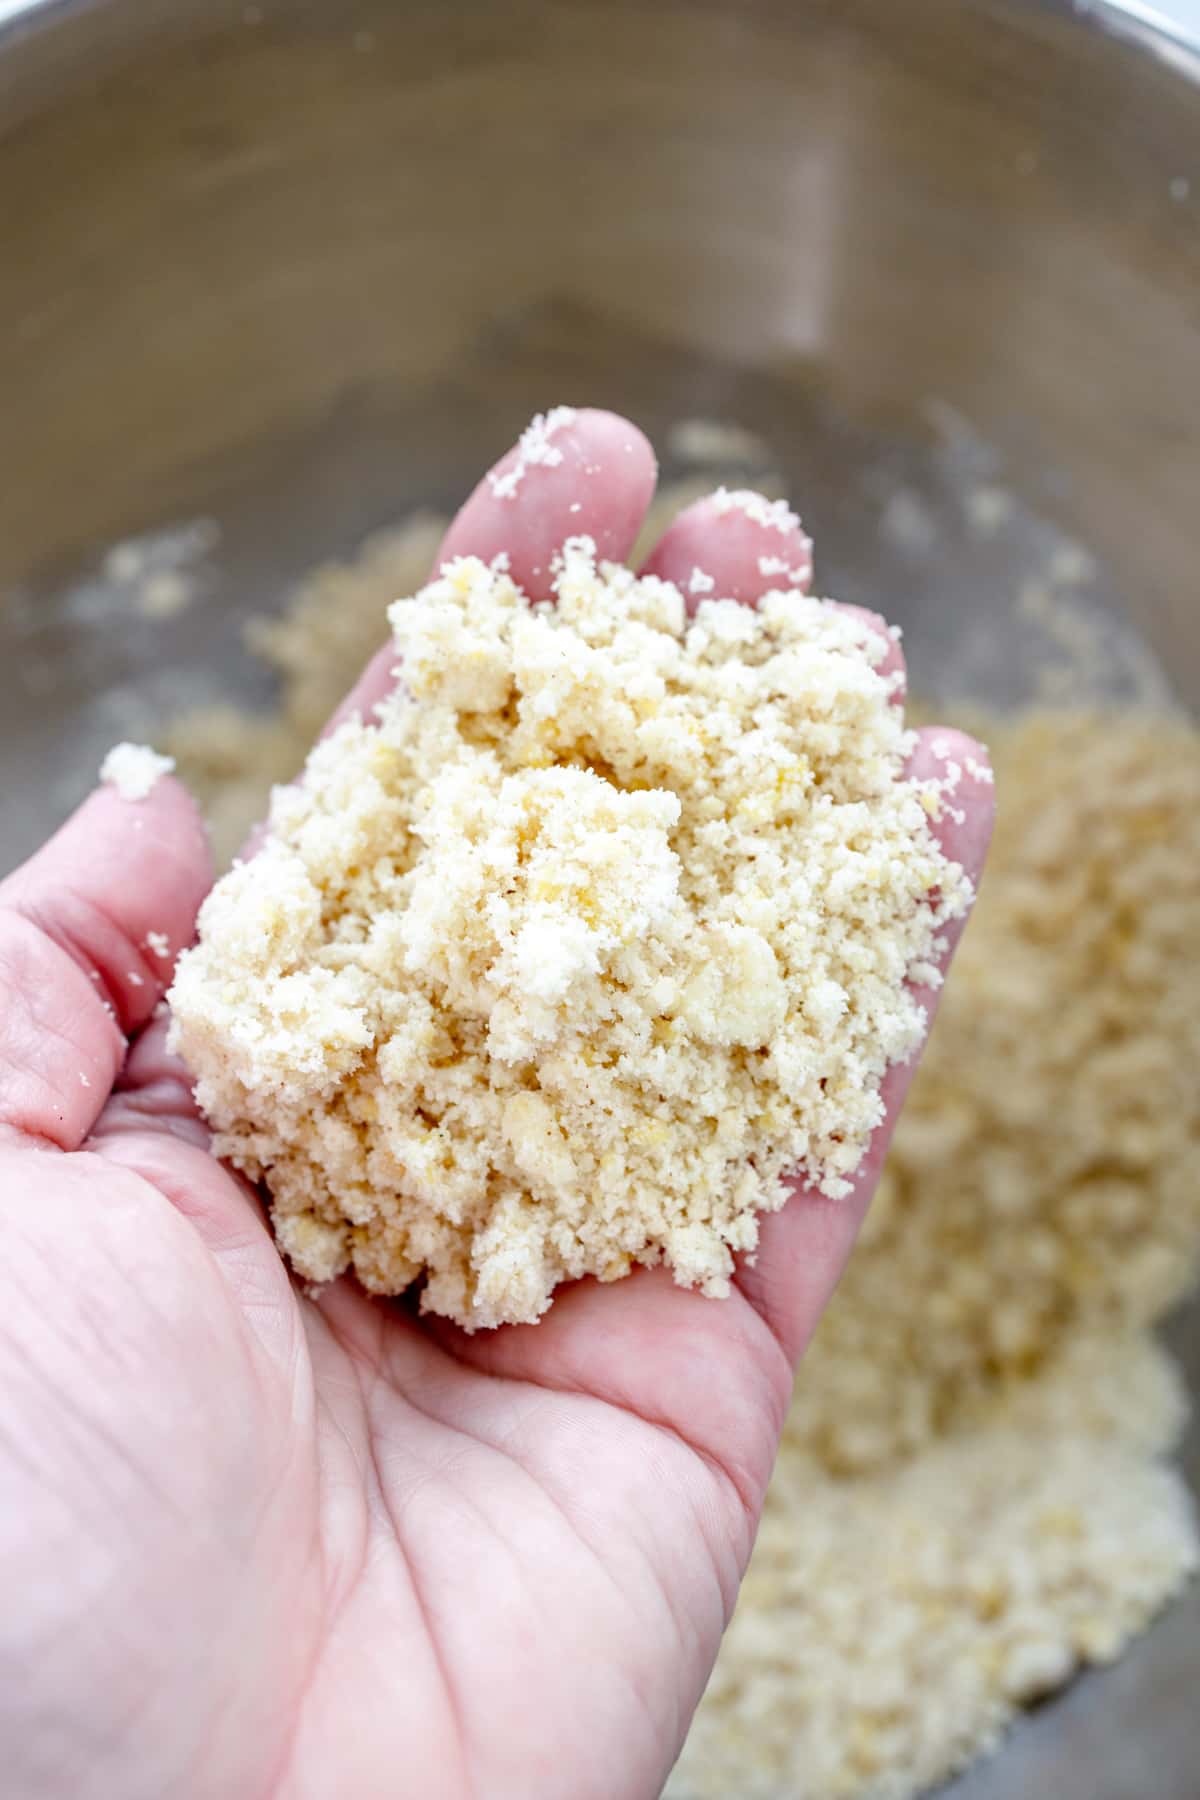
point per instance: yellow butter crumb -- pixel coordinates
(613, 938)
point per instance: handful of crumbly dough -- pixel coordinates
(565, 961)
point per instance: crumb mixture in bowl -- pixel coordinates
(973, 1498)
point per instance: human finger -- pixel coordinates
(583, 473)
(89, 931)
(803, 1249)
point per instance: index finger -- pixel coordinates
(583, 473)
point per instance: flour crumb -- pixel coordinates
(535, 448)
(907, 523)
(989, 509)
(607, 902)
(700, 583)
(125, 562)
(158, 944)
(158, 574)
(134, 770)
(774, 515)
(164, 594)
(1071, 566)
(714, 443)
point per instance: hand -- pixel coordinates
(256, 1545)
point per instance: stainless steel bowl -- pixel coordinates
(298, 267)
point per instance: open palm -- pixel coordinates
(261, 1543)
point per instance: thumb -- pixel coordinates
(89, 931)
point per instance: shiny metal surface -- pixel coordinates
(302, 266)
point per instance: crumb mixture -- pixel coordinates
(890, 1627)
(1043, 1173)
(134, 770)
(567, 960)
(1043, 1472)
(971, 1499)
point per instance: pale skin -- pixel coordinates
(261, 1545)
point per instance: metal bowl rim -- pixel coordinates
(1134, 22)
